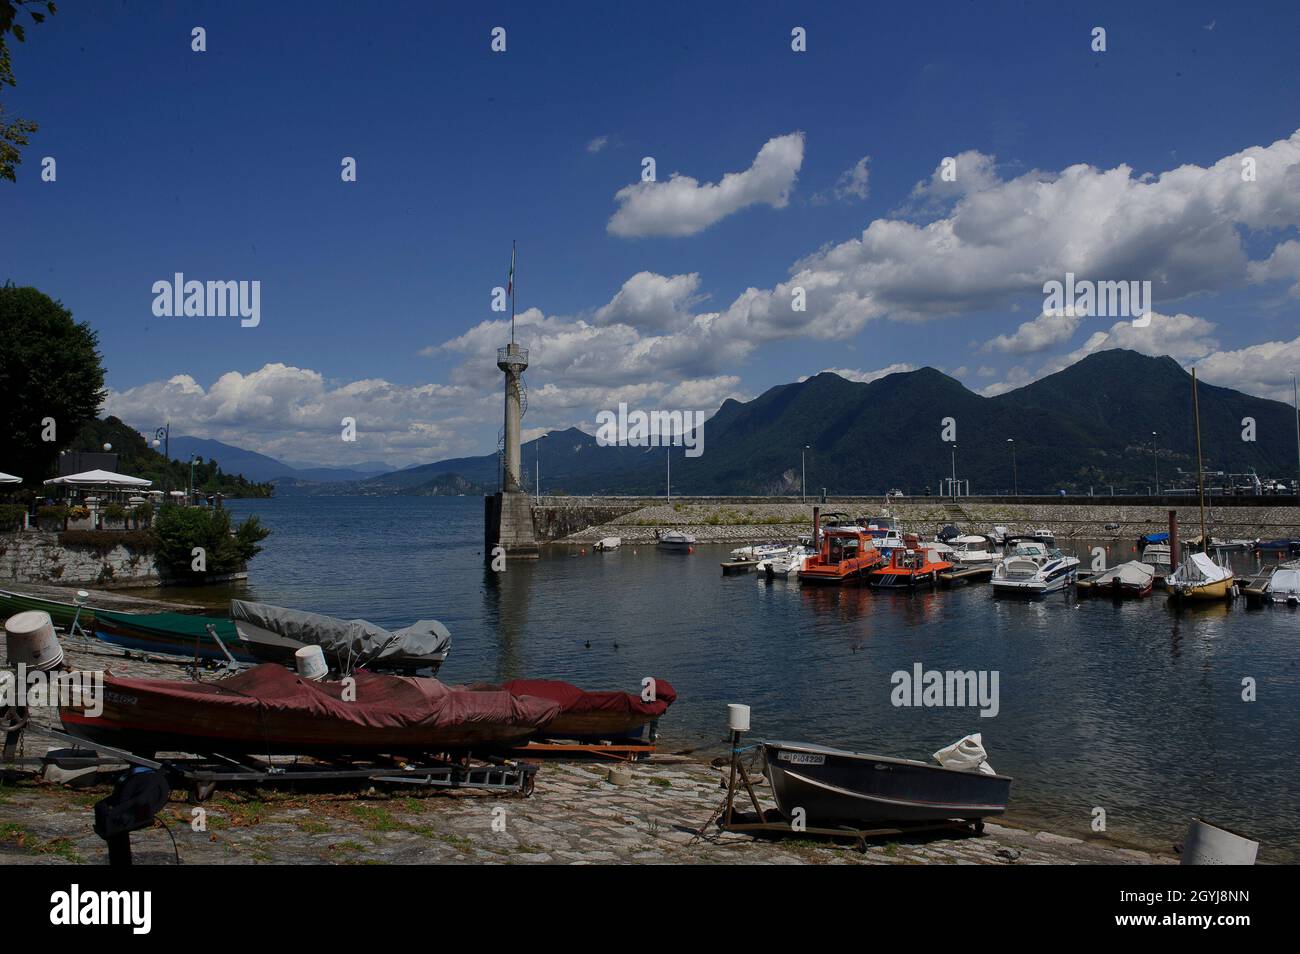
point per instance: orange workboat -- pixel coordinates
(845, 556)
(908, 568)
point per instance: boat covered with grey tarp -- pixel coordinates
(275, 633)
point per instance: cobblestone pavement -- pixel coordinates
(575, 816)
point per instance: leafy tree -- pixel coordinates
(13, 134)
(178, 530)
(50, 367)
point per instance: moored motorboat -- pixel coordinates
(1033, 569)
(908, 569)
(786, 564)
(675, 541)
(1284, 584)
(973, 549)
(1158, 556)
(837, 787)
(607, 543)
(1131, 580)
(269, 710)
(846, 556)
(759, 551)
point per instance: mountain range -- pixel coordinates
(260, 467)
(1088, 426)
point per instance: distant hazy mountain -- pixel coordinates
(259, 467)
(1089, 425)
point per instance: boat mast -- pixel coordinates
(1200, 476)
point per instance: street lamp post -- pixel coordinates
(1155, 458)
(670, 473)
(803, 471)
(193, 458)
(954, 470)
(164, 436)
(1015, 479)
(1295, 398)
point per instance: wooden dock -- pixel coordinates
(967, 574)
(737, 566)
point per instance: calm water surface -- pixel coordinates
(1131, 707)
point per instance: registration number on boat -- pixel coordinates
(801, 758)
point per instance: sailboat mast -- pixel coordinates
(1200, 474)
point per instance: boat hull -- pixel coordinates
(271, 711)
(833, 787)
(1202, 592)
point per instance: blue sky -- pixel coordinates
(225, 165)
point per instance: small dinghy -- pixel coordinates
(837, 787)
(1200, 579)
(268, 710)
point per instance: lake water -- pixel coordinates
(1134, 708)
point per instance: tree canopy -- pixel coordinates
(51, 380)
(14, 133)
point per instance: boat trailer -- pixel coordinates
(202, 775)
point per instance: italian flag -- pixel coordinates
(510, 282)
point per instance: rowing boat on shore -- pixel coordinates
(834, 786)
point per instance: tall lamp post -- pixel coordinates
(803, 472)
(1155, 458)
(670, 473)
(193, 458)
(1015, 478)
(954, 470)
(163, 437)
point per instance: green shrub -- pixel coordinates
(11, 517)
(54, 512)
(178, 530)
(115, 511)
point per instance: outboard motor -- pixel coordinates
(137, 797)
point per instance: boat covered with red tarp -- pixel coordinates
(269, 710)
(595, 715)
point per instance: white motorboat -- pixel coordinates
(1284, 585)
(786, 565)
(608, 543)
(676, 541)
(998, 535)
(972, 549)
(760, 551)
(1032, 568)
(1157, 555)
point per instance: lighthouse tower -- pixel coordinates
(509, 516)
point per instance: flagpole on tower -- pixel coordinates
(510, 290)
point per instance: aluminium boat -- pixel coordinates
(838, 787)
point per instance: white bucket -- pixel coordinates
(1207, 844)
(310, 661)
(737, 717)
(30, 639)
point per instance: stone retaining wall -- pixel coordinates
(40, 557)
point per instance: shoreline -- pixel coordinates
(575, 816)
